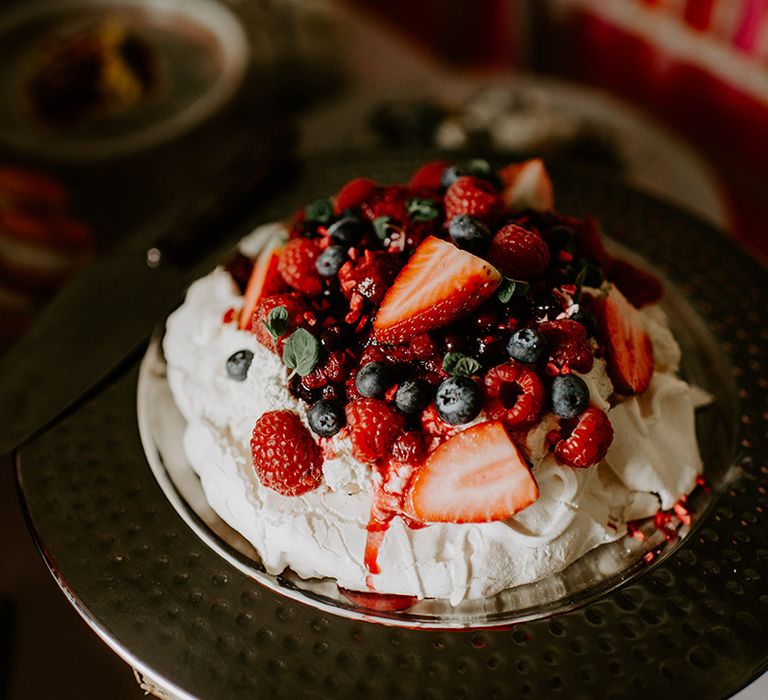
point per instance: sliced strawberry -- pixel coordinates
(638, 286)
(438, 285)
(265, 280)
(527, 186)
(476, 476)
(628, 348)
(380, 602)
(296, 264)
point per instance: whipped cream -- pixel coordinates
(653, 461)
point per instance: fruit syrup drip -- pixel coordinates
(401, 388)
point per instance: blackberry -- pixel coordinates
(458, 400)
(238, 365)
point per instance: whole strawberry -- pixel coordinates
(297, 266)
(285, 456)
(568, 343)
(374, 426)
(519, 253)
(473, 196)
(299, 316)
(591, 434)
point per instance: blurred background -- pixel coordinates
(114, 110)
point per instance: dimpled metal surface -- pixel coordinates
(693, 623)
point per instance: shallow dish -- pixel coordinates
(200, 625)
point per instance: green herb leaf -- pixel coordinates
(321, 210)
(460, 365)
(512, 288)
(301, 351)
(422, 209)
(579, 282)
(277, 322)
(479, 167)
(381, 226)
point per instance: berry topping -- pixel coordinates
(409, 448)
(473, 196)
(527, 186)
(569, 347)
(353, 194)
(527, 345)
(515, 395)
(638, 286)
(459, 400)
(326, 418)
(370, 276)
(297, 315)
(346, 231)
(587, 441)
(238, 365)
(379, 602)
(329, 262)
(519, 253)
(297, 266)
(628, 348)
(469, 233)
(285, 456)
(428, 176)
(412, 396)
(390, 202)
(570, 395)
(438, 285)
(264, 281)
(373, 379)
(476, 476)
(374, 426)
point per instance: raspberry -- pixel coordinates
(374, 426)
(638, 286)
(423, 346)
(388, 201)
(409, 448)
(470, 195)
(434, 426)
(285, 456)
(514, 394)
(297, 266)
(519, 253)
(428, 176)
(569, 346)
(354, 193)
(588, 439)
(370, 276)
(299, 315)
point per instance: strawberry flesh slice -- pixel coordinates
(628, 349)
(438, 285)
(479, 475)
(527, 186)
(265, 280)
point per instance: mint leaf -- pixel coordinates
(422, 209)
(381, 226)
(512, 288)
(479, 167)
(301, 351)
(579, 282)
(321, 210)
(460, 365)
(277, 322)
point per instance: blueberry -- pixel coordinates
(373, 379)
(570, 395)
(326, 417)
(458, 400)
(527, 345)
(329, 262)
(347, 231)
(238, 365)
(587, 320)
(451, 174)
(412, 396)
(469, 234)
